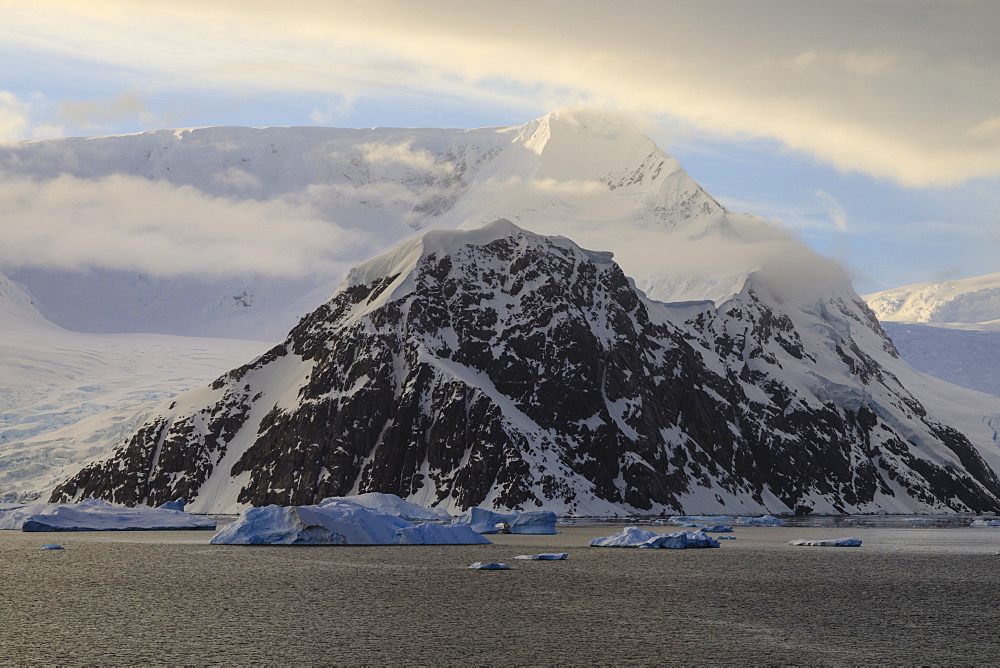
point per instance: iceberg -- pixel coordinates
(390, 504)
(484, 521)
(985, 523)
(337, 523)
(714, 528)
(636, 537)
(97, 515)
(480, 566)
(829, 542)
(176, 504)
(545, 556)
(764, 521)
(534, 522)
(717, 519)
(528, 522)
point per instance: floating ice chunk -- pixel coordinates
(829, 542)
(985, 523)
(725, 538)
(97, 515)
(390, 504)
(545, 556)
(718, 519)
(764, 521)
(480, 566)
(429, 533)
(482, 520)
(52, 546)
(529, 522)
(714, 528)
(336, 523)
(176, 504)
(636, 537)
(534, 522)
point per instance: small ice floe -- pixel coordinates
(725, 538)
(985, 523)
(52, 546)
(480, 566)
(544, 556)
(718, 528)
(763, 521)
(337, 523)
(702, 519)
(643, 538)
(829, 542)
(918, 521)
(97, 515)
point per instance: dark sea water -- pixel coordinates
(929, 595)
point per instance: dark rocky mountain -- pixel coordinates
(500, 368)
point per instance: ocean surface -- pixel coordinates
(908, 595)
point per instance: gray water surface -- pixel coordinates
(905, 596)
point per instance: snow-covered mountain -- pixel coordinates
(67, 396)
(294, 208)
(497, 367)
(966, 303)
(320, 200)
(948, 329)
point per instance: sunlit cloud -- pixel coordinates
(18, 119)
(134, 224)
(890, 89)
(833, 209)
(96, 114)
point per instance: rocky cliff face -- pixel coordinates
(500, 368)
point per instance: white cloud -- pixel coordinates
(130, 223)
(17, 119)
(887, 88)
(14, 122)
(94, 114)
(833, 209)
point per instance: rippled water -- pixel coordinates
(906, 596)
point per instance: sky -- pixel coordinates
(870, 128)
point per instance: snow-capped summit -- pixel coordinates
(948, 329)
(328, 198)
(966, 303)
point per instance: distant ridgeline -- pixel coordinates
(500, 368)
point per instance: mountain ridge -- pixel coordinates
(501, 368)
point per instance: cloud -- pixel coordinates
(130, 223)
(887, 88)
(17, 119)
(97, 113)
(14, 122)
(833, 209)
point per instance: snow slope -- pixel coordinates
(67, 396)
(948, 329)
(967, 303)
